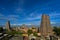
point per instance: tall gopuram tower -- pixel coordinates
(45, 27)
(8, 26)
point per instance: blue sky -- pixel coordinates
(29, 11)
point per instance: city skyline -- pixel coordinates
(29, 11)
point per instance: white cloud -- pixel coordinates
(3, 8)
(16, 24)
(13, 17)
(9, 17)
(53, 22)
(32, 14)
(54, 14)
(33, 18)
(18, 9)
(1, 15)
(22, 24)
(16, 16)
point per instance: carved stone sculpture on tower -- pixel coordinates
(45, 27)
(8, 26)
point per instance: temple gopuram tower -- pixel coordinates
(8, 26)
(45, 27)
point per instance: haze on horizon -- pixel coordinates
(29, 11)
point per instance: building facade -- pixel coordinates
(8, 26)
(45, 27)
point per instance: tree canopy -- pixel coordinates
(1, 29)
(57, 31)
(29, 32)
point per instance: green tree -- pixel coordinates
(35, 34)
(14, 32)
(20, 32)
(57, 31)
(1, 29)
(29, 32)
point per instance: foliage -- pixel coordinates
(1, 29)
(14, 32)
(35, 34)
(57, 31)
(29, 32)
(11, 32)
(20, 32)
